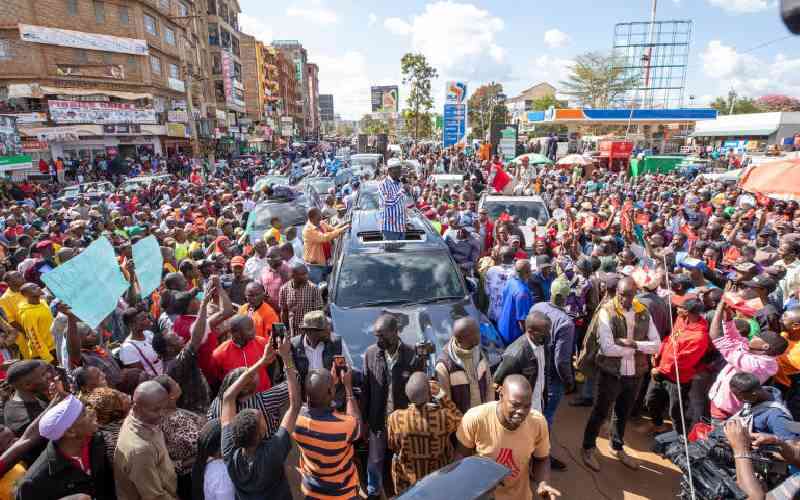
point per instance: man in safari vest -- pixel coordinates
(626, 336)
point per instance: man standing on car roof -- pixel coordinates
(393, 205)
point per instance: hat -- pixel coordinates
(745, 267)
(237, 261)
(315, 320)
(761, 281)
(57, 420)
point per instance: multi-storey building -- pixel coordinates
(94, 79)
(254, 77)
(313, 124)
(294, 52)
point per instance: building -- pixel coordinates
(518, 106)
(117, 87)
(294, 52)
(749, 132)
(326, 113)
(227, 105)
(314, 122)
(254, 71)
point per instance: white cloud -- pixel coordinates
(396, 26)
(371, 19)
(742, 6)
(458, 39)
(254, 26)
(315, 14)
(346, 77)
(549, 69)
(748, 74)
(555, 38)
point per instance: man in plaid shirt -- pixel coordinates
(297, 297)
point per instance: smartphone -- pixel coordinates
(278, 333)
(340, 364)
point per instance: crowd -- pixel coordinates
(657, 295)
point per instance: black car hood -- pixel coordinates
(471, 478)
(418, 323)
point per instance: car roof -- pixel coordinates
(493, 197)
(365, 236)
(365, 155)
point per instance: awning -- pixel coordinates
(736, 132)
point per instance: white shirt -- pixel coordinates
(791, 281)
(254, 266)
(141, 351)
(314, 355)
(217, 484)
(610, 348)
(538, 390)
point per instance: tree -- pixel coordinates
(778, 102)
(371, 126)
(417, 74)
(597, 80)
(486, 105)
(344, 129)
(741, 105)
(424, 121)
(546, 102)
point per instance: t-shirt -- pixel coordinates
(261, 475)
(482, 431)
(217, 484)
(141, 351)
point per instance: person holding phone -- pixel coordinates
(316, 347)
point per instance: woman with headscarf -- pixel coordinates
(111, 407)
(210, 478)
(181, 430)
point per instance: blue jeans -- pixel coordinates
(555, 391)
(392, 236)
(375, 462)
(317, 274)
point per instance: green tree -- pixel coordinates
(546, 102)
(371, 126)
(417, 74)
(424, 122)
(344, 130)
(486, 105)
(597, 80)
(741, 105)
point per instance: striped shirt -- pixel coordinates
(325, 440)
(393, 205)
(270, 403)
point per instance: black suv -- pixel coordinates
(416, 279)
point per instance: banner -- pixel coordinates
(115, 71)
(385, 99)
(99, 112)
(10, 141)
(82, 40)
(90, 283)
(507, 147)
(28, 118)
(148, 264)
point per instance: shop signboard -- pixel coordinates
(99, 112)
(176, 84)
(82, 40)
(507, 147)
(177, 116)
(385, 99)
(114, 71)
(31, 145)
(176, 130)
(27, 118)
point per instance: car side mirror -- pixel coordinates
(472, 285)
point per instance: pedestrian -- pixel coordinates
(257, 309)
(462, 369)
(392, 204)
(317, 236)
(496, 278)
(517, 301)
(243, 349)
(297, 297)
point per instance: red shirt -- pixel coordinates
(691, 344)
(501, 178)
(229, 356)
(182, 326)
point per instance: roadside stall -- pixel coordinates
(614, 155)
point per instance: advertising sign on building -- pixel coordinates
(385, 99)
(28, 118)
(177, 116)
(82, 40)
(507, 147)
(99, 112)
(12, 156)
(176, 84)
(114, 71)
(455, 113)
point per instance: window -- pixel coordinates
(223, 12)
(107, 58)
(124, 17)
(219, 91)
(216, 64)
(226, 38)
(183, 10)
(150, 25)
(155, 65)
(237, 71)
(99, 12)
(235, 45)
(213, 34)
(212, 7)
(83, 57)
(169, 36)
(164, 4)
(72, 7)
(132, 65)
(173, 71)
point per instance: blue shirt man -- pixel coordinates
(517, 301)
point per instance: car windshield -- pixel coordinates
(368, 199)
(396, 278)
(522, 209)
(322, 185)
(290, 214)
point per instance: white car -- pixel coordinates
(531, 210)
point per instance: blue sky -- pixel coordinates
(359, 44)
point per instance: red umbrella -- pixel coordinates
(778, 179)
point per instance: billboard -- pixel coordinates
(455, 113)
(82, 40)
(99, 112)
(385, 99)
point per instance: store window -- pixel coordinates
(72, 7)
(155, 65)
(82, 56)
(173, 71)
(150, 25)
(169, 36)
(124, 15)
(213, 34)
(99, 12)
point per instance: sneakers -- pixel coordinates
(627, 460)
(590, 459)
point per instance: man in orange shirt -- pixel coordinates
(243, 349)
(316, 234)
(262, 314)
(789, 361)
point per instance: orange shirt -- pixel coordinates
(788, 362)
(263, 318)
(229, 356)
